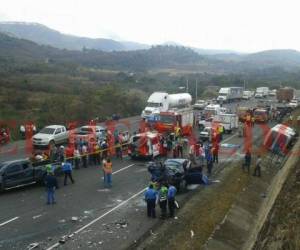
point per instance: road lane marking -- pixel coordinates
(6, 222)
(122, 169)
(100, 217)
(229, 138)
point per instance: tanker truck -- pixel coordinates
(162, 102)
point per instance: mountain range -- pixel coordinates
(22, 43)
(43, 35)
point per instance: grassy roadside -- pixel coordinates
(282, 227)
(201, 214)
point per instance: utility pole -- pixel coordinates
(244, 84)
(187, 85)
(196, 90)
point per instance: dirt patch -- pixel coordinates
(195, 224)
(282, 228)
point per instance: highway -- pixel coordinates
(103, 218)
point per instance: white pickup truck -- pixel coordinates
(51, 135)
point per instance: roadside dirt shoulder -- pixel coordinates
(199, 217)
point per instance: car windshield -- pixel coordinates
(167, 119)
(173, 166)
(2, 165)
(259, 113)
(87, 130)
(153, 104)
(48, 131)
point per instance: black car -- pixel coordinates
(177, 172)
(19, 173)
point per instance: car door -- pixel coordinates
(13, 175)
(27, 172)
(58, 135)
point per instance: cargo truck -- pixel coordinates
(162, 102)
(230, 94)
(262, 92)
(285, 94)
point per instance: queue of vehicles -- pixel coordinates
(174, 111)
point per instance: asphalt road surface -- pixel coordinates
(103, 218)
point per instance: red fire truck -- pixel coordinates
(169, 120)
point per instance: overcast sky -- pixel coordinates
(240, 25)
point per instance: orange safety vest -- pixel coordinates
(107, 167)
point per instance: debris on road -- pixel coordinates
(36, 216)
(152, 233)
(176, 204)
(121, 224)
(192, 234)
(263, 195)
(74, 219)
(63, 239)
(33, 245)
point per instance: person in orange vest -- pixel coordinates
(107, 168)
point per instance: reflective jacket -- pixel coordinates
(107, 167)
(163, 193)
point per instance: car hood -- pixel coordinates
(41, 136)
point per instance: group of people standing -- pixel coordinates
(164, 196)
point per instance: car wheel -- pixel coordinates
(43, 180)
(2, 187)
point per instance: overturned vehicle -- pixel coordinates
(280, 139)
(178, 172)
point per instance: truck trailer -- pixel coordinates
(162, 102)
(230, 94)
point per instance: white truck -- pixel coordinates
(247, 94)
(230, 94)
(50, 136)
(200, 104)
(262, 92)
(228, 121)
(162, 102)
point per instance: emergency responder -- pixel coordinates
(150, 198)
(248, 119)
(107, 168)
(192, 153)
(171, 200)
(76, 157)
(177, 131)
(220, 132)
(252, 121)
(84, 155)
(51, 185)
(180, 144)
(67, 169)
(215, 152)
(257, 169)
(163, 193)
(247, 163)
(118, 148)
